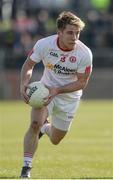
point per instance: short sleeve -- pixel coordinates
(85, 65)
(36, 53)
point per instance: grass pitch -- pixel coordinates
(86, 151)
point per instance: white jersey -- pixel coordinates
(61, 66)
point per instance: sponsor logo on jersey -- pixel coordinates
(58, 69)
(53, 54)
(50, 66)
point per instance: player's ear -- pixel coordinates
(58, 31)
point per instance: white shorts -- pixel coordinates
(62, 112)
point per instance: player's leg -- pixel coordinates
(61, 120)
(55, 135)
(38, 117)
(57, 130)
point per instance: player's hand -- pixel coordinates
(24, 96)
(52, 93)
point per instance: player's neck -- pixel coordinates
(62, 46)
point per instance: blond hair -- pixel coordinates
(66, 17)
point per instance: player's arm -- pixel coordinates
(26, 74)
(81, 83)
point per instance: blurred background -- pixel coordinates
(23, 22)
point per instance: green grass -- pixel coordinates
(86, 151)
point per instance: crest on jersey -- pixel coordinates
(72, 59)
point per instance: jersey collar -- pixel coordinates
(65, 50)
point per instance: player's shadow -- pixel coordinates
(12, 178)
(9, 177)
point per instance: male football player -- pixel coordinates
(67, 69)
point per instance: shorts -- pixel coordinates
(62, 112)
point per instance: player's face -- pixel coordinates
(68, 37)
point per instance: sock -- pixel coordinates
(28, 159)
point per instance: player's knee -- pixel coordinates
(35, 126)
(55, 141)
